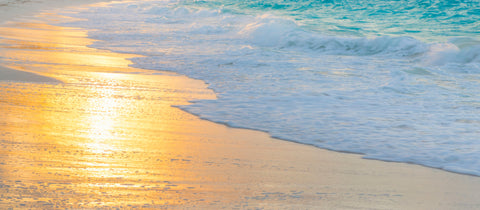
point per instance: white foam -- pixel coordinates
(458, 50)
(390, 98)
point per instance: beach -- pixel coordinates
(81, 129)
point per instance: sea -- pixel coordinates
(393, 80)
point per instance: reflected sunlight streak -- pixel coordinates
(107, 128)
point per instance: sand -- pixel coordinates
(7, 74)
(27, 9)
(109, 136)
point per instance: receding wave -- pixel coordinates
(399, 89)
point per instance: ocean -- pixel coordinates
(394, 80)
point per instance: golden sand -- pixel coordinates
(107, 136)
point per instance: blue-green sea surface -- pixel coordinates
(393, 80)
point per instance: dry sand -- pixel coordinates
(7, 74)
(108, 136)
(21, 9)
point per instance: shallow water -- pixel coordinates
(106, 136)
(396, 81)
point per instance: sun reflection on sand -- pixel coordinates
(42, 43)
(101, 126)
(108, 137)
(107, 129)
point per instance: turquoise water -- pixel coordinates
(426, 20)
(392, 80)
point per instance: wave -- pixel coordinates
(462, 50)
(397, 98)
(270, 31)
(277, 32)
(283, 33)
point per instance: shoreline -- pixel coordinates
(361, 155)
(16, 10)
(105, 142)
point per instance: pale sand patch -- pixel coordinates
(7, 74)
(17, 9)
(109, 137)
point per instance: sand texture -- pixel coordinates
(108, 136)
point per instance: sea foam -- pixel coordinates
(390, 97)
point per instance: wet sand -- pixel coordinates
(108, 136)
